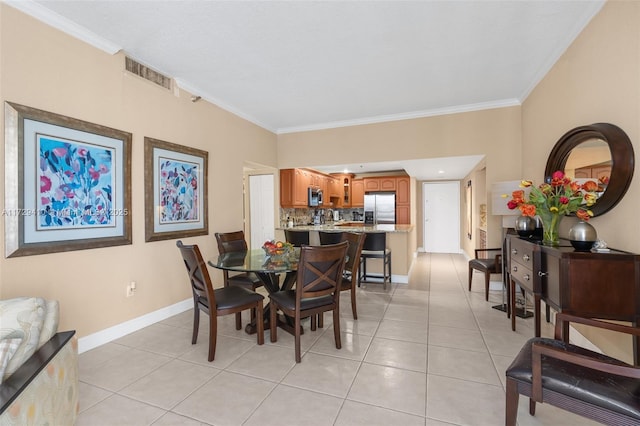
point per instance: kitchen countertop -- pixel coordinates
(343, 226)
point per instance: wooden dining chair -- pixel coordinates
(573, 378)
(318, 282)
(488, 261)
(233, 242)
(216, 302)
(350, 276)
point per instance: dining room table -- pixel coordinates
(269, 269)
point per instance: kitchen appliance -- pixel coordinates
(315, 197)
(380, 208)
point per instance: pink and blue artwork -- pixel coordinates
(178, 191)
(76, 184)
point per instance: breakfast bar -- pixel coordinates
(399, 241)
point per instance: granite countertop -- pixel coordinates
(341, 226)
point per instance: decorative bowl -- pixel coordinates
(582, 245)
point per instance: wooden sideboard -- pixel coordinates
(587, 284)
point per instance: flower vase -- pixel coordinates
(550, 224)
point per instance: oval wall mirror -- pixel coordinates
(596, 151)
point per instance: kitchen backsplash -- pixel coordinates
(306, 216)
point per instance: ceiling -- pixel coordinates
(304, 65)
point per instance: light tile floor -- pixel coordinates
(425, 353)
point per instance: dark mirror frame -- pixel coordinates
(621, 156)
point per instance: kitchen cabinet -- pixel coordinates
(403, 200)
(294, 186)
(357, 193)
(346, 190)
(371, 184)
(594, 285)
(387, 183)
(403, 190)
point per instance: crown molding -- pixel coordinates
(54, 20)
(404, 116)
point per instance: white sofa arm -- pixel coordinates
(44, 390)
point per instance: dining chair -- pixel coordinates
(216, 302)
(375, 247)
(297, 238)
(487, 261)
(232, 242)
(318, 282)
(329, 237)
(350, 276)
(573, 378)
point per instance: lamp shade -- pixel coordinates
(498, 202)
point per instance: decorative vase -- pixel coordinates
(525, 226)
(550, 224)
(582, 236)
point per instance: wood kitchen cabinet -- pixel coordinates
(403, 200)
(357, 193)
(587, 284)
(294, 186)
(371, 184)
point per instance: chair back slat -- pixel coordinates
(231, 242)
(375, 241)
(198, 273)
(320, 270)
(296, 238)
(354, 250)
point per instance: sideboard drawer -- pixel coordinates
(522, 274)
(522, 252)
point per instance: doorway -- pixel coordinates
(261, 209)
(441, 211)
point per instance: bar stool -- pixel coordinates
(329, 237)
(375, 247)
(297, 238)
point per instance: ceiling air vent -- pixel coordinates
(147, 73)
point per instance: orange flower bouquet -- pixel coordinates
(552, 201)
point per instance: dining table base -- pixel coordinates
(271, 283)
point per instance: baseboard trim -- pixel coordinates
(112, 333)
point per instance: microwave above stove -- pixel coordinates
(315, 197)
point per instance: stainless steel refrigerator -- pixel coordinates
(380, 208)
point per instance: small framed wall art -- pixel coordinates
(175, 198)
(67, 183)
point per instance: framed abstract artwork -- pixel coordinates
(67, 183)
(175, 196)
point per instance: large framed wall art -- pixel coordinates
(175, 197)
(67, 183)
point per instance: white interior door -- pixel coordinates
(441, 217)
(261, 206)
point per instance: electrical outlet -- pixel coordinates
(131, 290)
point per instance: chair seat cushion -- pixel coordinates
(483, 264)
(233, 296)
(375, 253)
(248, 279)
(287, 300)
(615, 393)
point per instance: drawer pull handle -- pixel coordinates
(514, 251)
(526, 277)
(525, 257)
(542, 274)
(515, 269)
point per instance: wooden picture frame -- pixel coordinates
(67, 183)
(175, 196)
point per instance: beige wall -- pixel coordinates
(596, 80)
(494, 133)
(46, 69)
